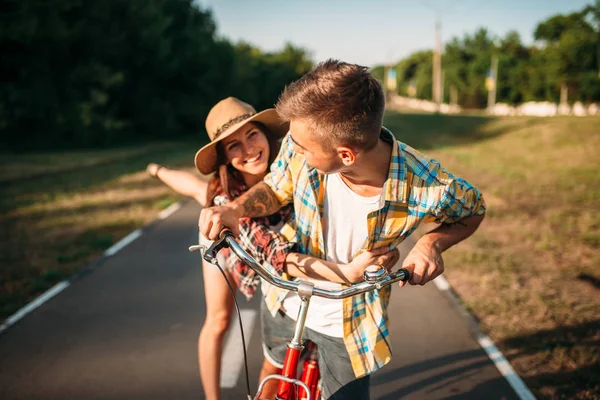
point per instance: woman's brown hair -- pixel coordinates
(227, 180)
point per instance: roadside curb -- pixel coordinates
(484, 341)
(111, 251)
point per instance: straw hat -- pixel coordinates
(224, 119)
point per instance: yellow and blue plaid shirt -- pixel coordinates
(417, 190)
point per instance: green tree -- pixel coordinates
(87, 74)
(567, 55)
(416, 68)
(571, 50)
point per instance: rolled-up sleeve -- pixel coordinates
(459, 200)
(279, 179)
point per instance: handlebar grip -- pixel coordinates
(225, 232)
(405, 273)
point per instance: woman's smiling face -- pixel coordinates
(247, 150)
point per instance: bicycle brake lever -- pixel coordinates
(210, 254)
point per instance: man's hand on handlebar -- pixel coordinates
(214, 219)
(424, 262)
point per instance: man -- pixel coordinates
(354, 188)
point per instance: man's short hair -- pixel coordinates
(343, 104)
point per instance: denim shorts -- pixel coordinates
(337, 377)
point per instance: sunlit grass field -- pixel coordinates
(530, 275)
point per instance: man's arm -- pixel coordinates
(447, 235)
(425, 259)
(460, 211)
(258, 201)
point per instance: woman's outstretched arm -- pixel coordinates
(182, 182)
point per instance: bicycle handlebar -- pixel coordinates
(373, 279)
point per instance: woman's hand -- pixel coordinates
(152, 169)
(382, 256)
(304, 266)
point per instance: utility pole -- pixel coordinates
(493, 83)
(437, 93)
(443, 86)
(390, 82)
(453, 95)
(564, 94)
(385, 78)
(437, 66)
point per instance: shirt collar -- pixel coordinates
(395, 184)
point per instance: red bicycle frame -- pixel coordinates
(310, 376)
(311, 373)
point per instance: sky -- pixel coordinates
(377, 31)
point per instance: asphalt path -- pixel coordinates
(127, 328)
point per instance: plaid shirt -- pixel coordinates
(417, 190)
(258, 238)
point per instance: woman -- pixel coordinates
(243, 144)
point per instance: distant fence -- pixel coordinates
(396, 102)
(546, 109)
(532, 108)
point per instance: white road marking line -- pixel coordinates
(505, 368)
(123, 242)
(50, 293)
(441, 283)
(494, 354)
(169, 210)
(233, 358)
(59, 287)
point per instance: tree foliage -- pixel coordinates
(77, 73)
(567, 52)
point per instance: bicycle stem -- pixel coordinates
(305, 291)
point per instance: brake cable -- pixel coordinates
(239, 315)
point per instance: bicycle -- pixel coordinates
(375, 277)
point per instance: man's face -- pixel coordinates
(318, 156)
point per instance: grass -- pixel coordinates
(60, 211)
(530, 275)
(19, 167)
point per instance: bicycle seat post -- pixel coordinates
(305, 291)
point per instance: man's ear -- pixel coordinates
(347, 155)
